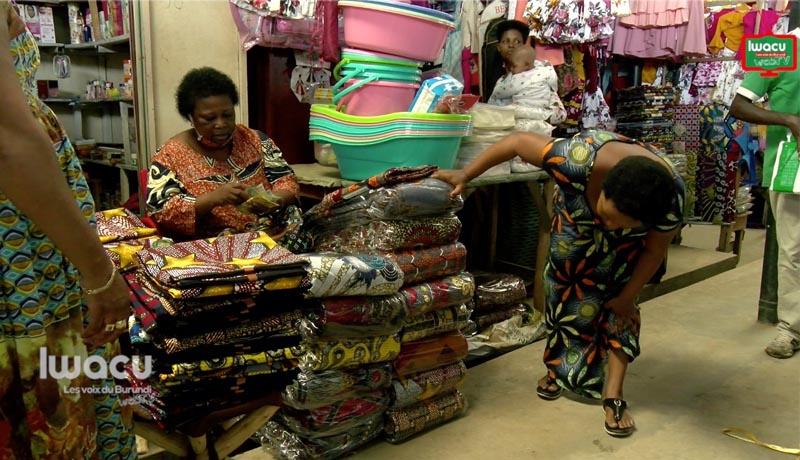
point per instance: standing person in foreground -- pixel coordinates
(617, 207)
(781, 119)
(55, 278)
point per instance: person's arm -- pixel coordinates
(279, 173)
(744, 109)
(32, 179)
(528, 146)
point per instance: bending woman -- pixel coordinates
(617, 206)
(199, 177)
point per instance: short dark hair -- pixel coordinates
(512, 24)
(640, 188)
(200, 83)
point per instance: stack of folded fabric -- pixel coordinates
(646, 113)
(218, 318)
(498, 297)
(123, 234)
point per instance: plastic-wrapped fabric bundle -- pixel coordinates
(430, 353)
(437, 294)
(285, 444)
(322, 355)
(403, 423)
(435, 323)
(420, 265)
(501, 314)
(423, 198)
(425, 385)
(333, 275)
(391, 235)
(351, 317)
(493, 289)
(314, 389)
(336, 418)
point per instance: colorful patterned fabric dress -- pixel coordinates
(587, 266)
(41, 306)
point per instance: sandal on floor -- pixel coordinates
(618, 406)
(545, 392)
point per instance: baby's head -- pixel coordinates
(522, 59)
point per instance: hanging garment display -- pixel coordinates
(568, 21)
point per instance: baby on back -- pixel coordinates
(531, 87)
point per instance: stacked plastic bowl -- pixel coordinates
(366, 146)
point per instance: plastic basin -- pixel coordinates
(375, 97)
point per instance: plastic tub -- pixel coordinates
(359, 162)
(375, 98)
(329, 111)
(369, 25)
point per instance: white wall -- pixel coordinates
(172, 37)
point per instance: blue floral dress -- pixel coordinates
(42, 307)
(587, 266)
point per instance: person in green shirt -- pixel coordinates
(782, 117)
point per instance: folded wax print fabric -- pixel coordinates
(492, 289)
(120, 224)
(427, 197)
(430, 353)
(403, 423)
(122, 253)
(322, 355)
(502, 313)
(237, 264)
(283, 443)
(425, 385)
(332, 275)
(420, 265)
(435, 323)
(335, 418)
(314, 389)
(280, 360)
(437, 294)
(343, 317)
(391, 235)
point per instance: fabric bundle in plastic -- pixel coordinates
(332, 275)
(425, 264)
(486, 319)
(404, 423)
(391, 235)
(285, 444)
(335, 354)
(314, 389)
(435, 323)
(353, 317)
(336, 418)
(496, 290)
(440, 293)
(430, 353)
(425, 385)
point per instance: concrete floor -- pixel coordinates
(702, 369)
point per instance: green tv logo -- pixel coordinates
(769, 54)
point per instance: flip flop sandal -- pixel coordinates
(547, 394)
(618, 406)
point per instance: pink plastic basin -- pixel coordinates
(370, 28)
(376, 97)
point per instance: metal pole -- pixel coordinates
(768, 299)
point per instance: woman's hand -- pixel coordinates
(626, 312)
(108, 313)
(455, 177)
(231, 193)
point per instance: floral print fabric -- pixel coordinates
(568, 21)
(332, 275)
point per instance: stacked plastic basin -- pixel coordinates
(366, 146)
(369, 126)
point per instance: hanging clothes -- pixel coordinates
(732, 28)
(684, 39)
(657, 13)
(568, 21)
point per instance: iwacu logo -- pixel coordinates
(769, 54)
(95, 367)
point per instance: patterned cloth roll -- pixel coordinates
(420, 265)
(403, 423)
(332, 275)
(435, 323)
(324, 355)
(391, 235)
(437, 294)
(336, 418)
(430, 353)
(315, 389)
(425, 385)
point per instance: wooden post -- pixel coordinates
(95, 20)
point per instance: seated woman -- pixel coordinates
(199, 178)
